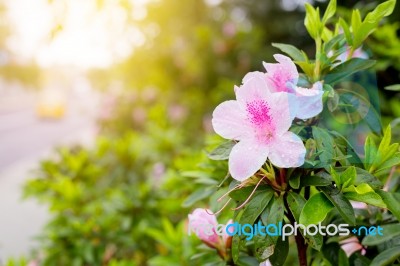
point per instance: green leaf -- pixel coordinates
(294, 180)
(343, 260)
(247, 261)
(275, 213)
(349, 149)
(355, 20)
(292, 51)
(222, 151)
(315, 210)
(346, 29)
(280, 252)
(324, 144)
(391, 201)
(341, 203)
(386, 257)
(389, 232)
(255, 207)
(312, 21)
(198, 195)
(307, 67)
(395, 87)
(265, 246)
(370, 152)
(329, 12)
(364, 193)
(387, 153)
(348, 177)
(372, 20)
(315, 180)
(336, 177)
(362, 177)
(348, 68)
(296, 203)
(243, 193)
(329, 45)
(359, 260)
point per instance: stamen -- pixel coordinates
(249, 197)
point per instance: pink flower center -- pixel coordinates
(258, 113)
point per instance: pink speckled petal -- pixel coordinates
(282, 73)
(283, 109)
(287, 151)
(253, 89)
(229, 121)
(309, 101)
(246, 159)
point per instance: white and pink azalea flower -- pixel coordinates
(260, 120)
(283, 77)
(204, 223)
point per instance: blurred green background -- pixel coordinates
(120, 94)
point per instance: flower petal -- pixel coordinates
(229, 121)
(283, 108)
(287, 151)
(309, 101)
(254, 88)
(203, 223)
(281, 73)
(246, 158)
(254, 74)
(227, 239)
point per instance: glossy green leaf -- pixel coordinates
(330, 45)
(198, 195)
(324, 144)
(386, 257)
(296, 203)
(315, 210)
(392, 202)
(389, 231)
(346, 29)
(348, 68)
(222, 151)
(292, 51)
(330, 11)
(341, 203)
(315, 180)
(362, 177)
(280, 252)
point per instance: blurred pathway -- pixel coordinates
(24, 140)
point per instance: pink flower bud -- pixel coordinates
(203, 223)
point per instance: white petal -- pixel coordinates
(246, 159)
(229, 121)
(309, 101)
(287, 151)
(255, 74)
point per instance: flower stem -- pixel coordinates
(317, 70)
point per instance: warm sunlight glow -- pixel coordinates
(73, 32)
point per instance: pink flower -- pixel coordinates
(283, 77)
(351, 245)
(204, 223)
(260, 121)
